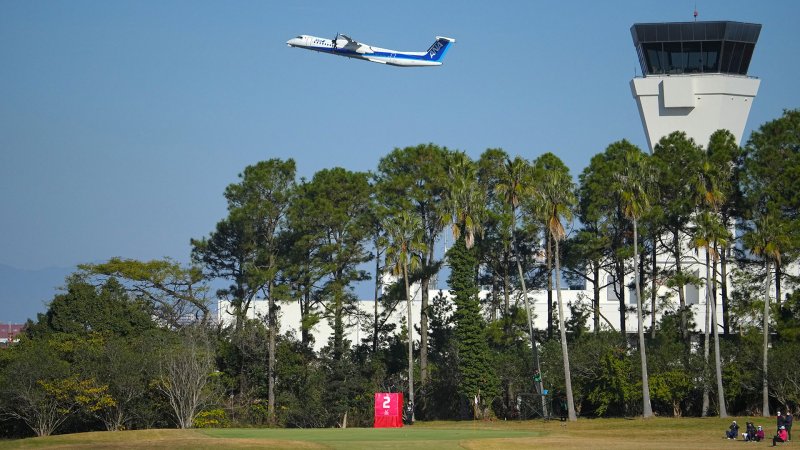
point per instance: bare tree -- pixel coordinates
(184, 376)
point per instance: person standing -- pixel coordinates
(787, 422)
(779, 422)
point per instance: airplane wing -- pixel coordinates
(354, 45)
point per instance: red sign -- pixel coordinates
(388, 410)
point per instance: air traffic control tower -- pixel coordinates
(694, 78)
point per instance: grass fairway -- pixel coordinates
(617, 434)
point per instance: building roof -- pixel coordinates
(695, 31)
(8, 331)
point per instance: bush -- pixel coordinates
(215, 418)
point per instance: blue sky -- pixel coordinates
(121, 122)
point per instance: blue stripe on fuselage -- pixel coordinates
(351, 53)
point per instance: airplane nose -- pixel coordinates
(292, 42)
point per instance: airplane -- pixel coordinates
(345, 46)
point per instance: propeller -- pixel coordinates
(336, 40)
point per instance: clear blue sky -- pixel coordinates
(121, 122)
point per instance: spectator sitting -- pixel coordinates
(759, 434)
(734, 431)
(750, 432)
(781, 436)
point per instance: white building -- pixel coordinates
(289, 315)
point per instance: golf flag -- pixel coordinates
(388, 410)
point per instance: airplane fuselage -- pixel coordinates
(345, 46)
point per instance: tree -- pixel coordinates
(772, 182)
(414, 179)
(94, 341)
(515, 184)
(495, 246)
(765, 241)
(334, 207)
(302, 273)
(724, 161)
(185, 370)
(245, 246)
(406, 244)
(772, 194)
(543, 166)
(83, 309)
(177, 294)
(709, 233)
(672, 377)
(676, 161)
(38, 389)
(377, 218)
(556, 199)
(466, 203)
(127, 367)
(605, 227)
(632, 189)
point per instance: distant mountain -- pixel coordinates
(24, 293)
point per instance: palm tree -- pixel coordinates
(556, 196)
(515, 184)
(632, 188)
(403, 255)
(466, 207)
(766, 240)
(710, 233)
(465, 203)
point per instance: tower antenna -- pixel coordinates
(695, 11)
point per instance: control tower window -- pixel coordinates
(695, 47)
(694, 56)
(676, 59)
(711, 56)
(736, 57)
(746, 58)
(656, 57)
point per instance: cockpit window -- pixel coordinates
(300, 37)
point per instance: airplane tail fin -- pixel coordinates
(439, 48)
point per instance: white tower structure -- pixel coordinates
(694, 78)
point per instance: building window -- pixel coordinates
(632, 296)
(711, 56)
(692, 292)
(611, 294)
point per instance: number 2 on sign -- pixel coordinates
(386, 401)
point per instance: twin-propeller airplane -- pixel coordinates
(344, 46)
